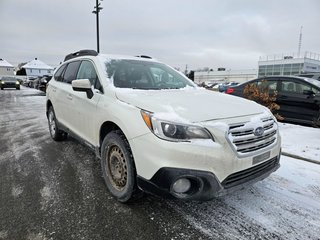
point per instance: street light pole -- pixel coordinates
(96, 11)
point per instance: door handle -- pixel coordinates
(283, 97)
(69, 97)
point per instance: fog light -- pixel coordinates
(182, 185)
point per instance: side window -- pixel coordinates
(271, 84)
(71, 72)
(294, 87)
(87, 71)
(307, 87)
(59, 74)
(316, 91)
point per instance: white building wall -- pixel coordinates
(6, 71)
(289, 64)
(239, 76)
(38, 72)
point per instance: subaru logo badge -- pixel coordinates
(259, 131)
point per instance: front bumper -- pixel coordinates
(9, 85)
(205, 185)
(213, 167)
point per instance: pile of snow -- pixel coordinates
(301, 141)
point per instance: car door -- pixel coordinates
(296, 102)
(64, 95)
(85, 108)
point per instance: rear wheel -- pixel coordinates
(55, 132)
(118, 167)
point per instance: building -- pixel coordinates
(36, 68)
(6, 69)
(289, 64)
(222, 76)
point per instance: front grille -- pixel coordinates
(243, 137)
(10, 84)
(250, 173)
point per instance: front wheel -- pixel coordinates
(118, 167)
(316, 121)
(55, 132)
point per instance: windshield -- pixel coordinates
(11, 79)
(145, 75)
(313, 81)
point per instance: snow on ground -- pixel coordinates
(284, 206)
(301, 141)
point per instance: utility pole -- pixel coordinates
(300, 42)
(96, 11)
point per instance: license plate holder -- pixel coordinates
(261, 157)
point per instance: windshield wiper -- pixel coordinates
(145, 88)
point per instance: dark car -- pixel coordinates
(9, 82)
(40, 82)
(43, 83)
(224, 86)
(36, 82)
(298, 97)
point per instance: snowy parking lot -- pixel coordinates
(53, 190)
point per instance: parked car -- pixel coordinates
(147, 125)
(30, 81)
(40, 83)
(9, 82)
(298, 97)
(224, 86)
(36, 82)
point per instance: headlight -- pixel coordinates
(2, 82)
(17, 82)
(174, 131)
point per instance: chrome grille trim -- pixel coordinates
(244, 141)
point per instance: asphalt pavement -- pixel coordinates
(55, 190)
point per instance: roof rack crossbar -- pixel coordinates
(86, 52)
(144, 56)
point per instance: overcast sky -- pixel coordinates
(202, 33)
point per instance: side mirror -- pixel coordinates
(82, 85)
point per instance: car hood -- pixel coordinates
(8, 81)
(189, 104)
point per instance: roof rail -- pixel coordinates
(144, 56)
(86, 52)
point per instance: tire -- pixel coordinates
(55, 132)
(118, 167)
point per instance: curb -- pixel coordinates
(300, 158)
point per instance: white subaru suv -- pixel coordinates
(155, 131)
